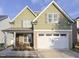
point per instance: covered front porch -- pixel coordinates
(22, 38)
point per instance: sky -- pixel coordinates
(13, 7)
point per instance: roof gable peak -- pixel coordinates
(53, 2)
(26, 7)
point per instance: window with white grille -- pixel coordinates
(27, 24)
(52, 18)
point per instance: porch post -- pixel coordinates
(14, 39)
(27, 39)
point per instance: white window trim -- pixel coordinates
(27, 40)
(53, 20)
(56, 37)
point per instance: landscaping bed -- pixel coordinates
(2, 46)
(76, 49)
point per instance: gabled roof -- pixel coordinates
(2, 17)
(53, 2)
(22, 11)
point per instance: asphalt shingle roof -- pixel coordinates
(2, 17)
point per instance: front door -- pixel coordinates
(23, 40)
(19, 39)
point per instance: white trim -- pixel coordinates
(26, 24)
(14, 39)
(21, 12)
(9, 19)
(53, 2)
(42, 11)
(52, 30)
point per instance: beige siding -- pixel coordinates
(77, 37)
(25, 15)
(42, 24)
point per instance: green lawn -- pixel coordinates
(76, 50)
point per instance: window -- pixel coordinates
(28, 38)
(27, 24)
(63, 34)
(41, 34)
(48, 34)
(56, 34)
(52, 18)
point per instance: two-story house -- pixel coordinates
(51, 28)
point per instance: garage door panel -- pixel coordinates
(60, 43)
(42, 42)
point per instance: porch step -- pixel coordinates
(23, 49)
(23, 46)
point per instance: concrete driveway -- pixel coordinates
(54, 53)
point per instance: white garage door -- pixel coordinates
(49, 41)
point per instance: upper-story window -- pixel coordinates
(52, 18)
(27, 24)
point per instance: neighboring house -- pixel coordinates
(77, 20)
(4, 24)
(52, 28)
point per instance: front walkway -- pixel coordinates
(10, 53)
